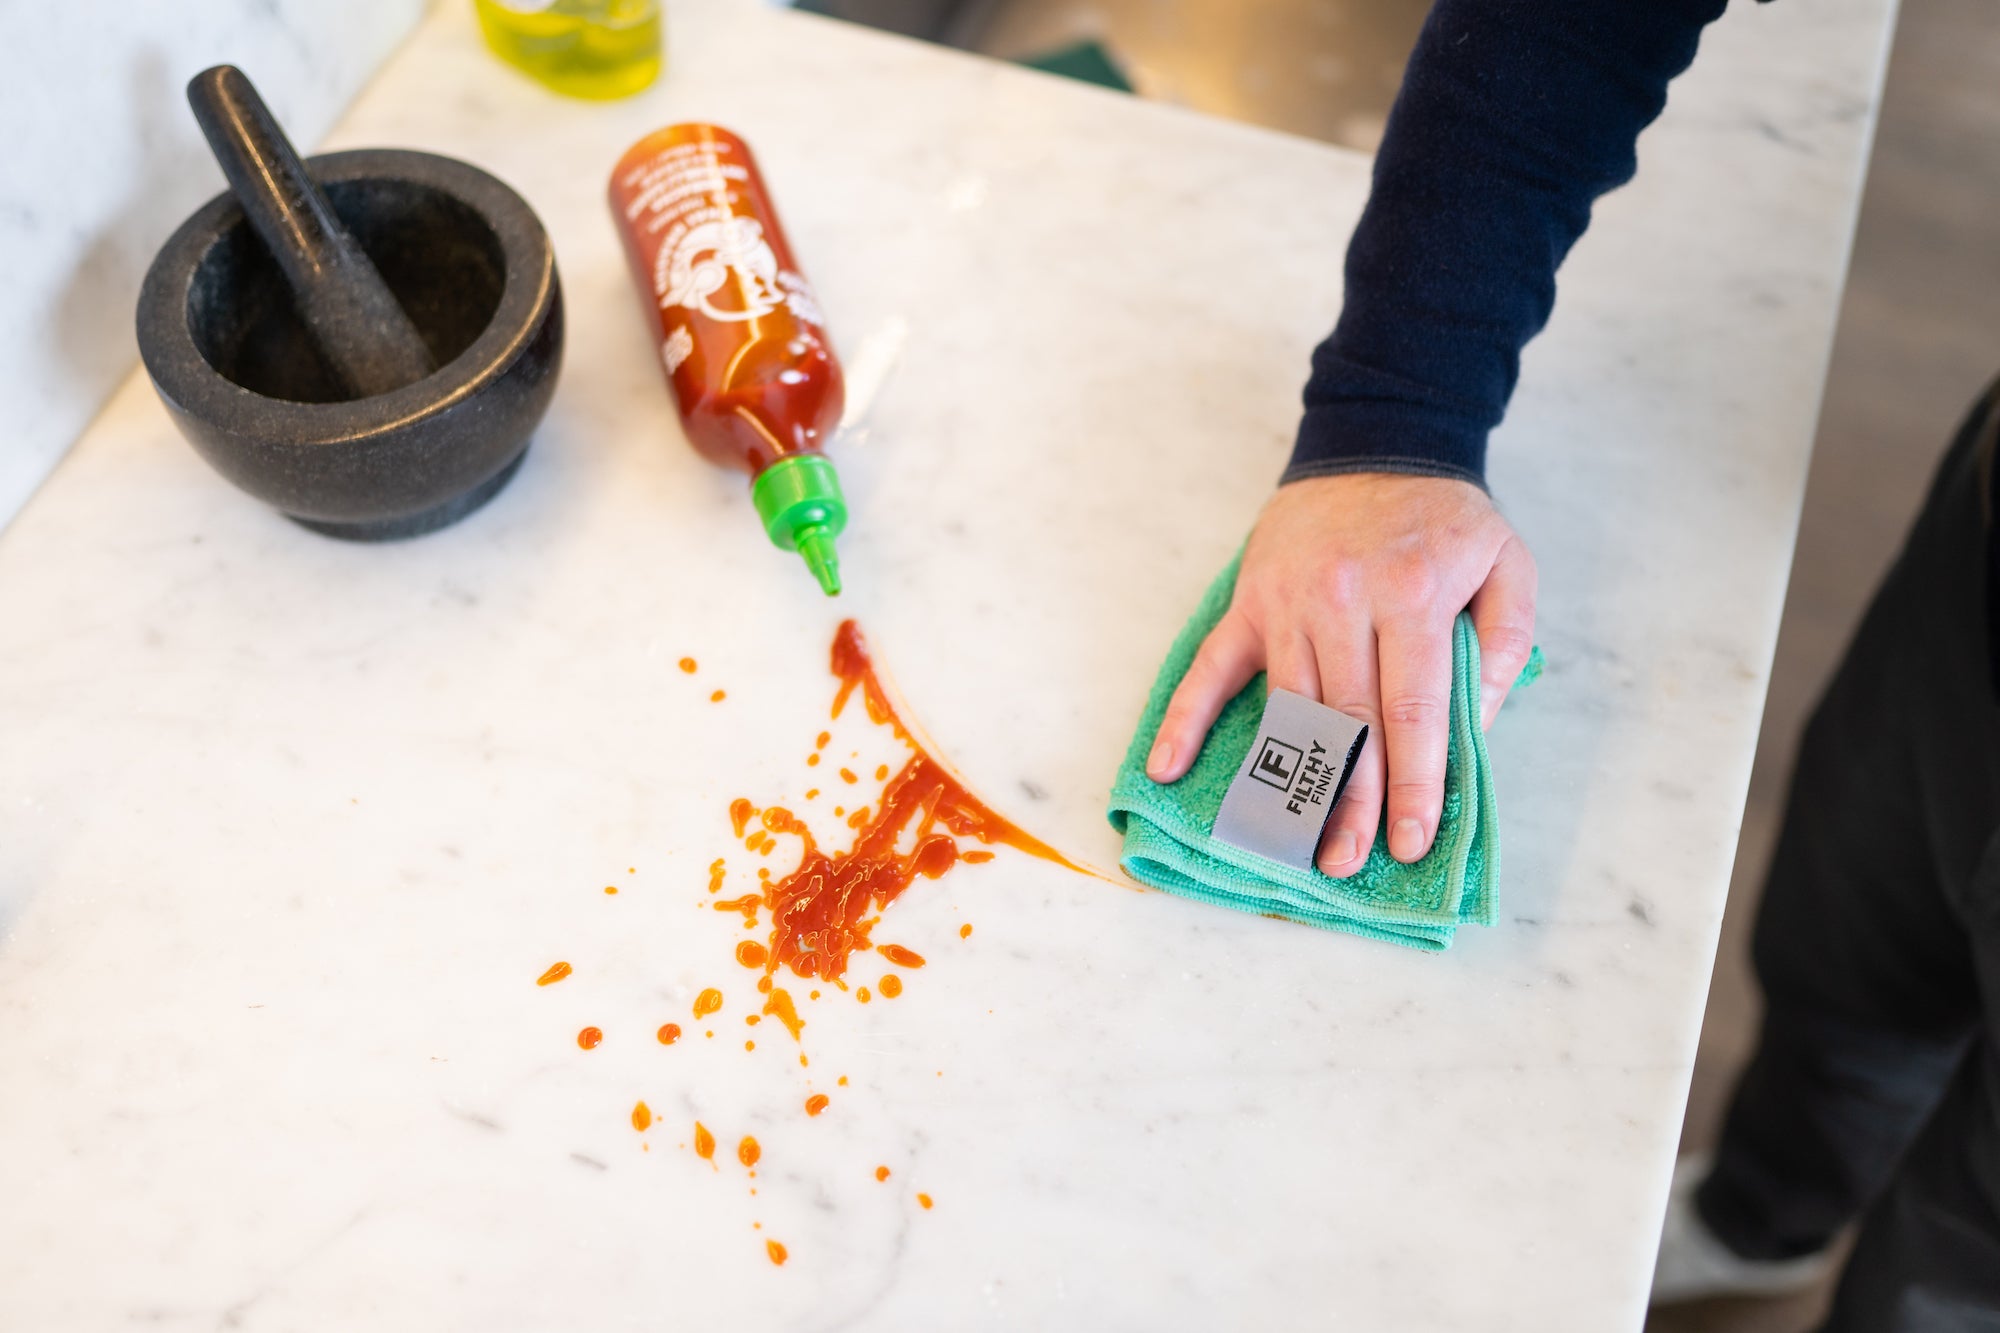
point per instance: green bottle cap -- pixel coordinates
(799, 500)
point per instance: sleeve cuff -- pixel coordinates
(1361, 435)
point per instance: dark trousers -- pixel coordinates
(1875, 1090)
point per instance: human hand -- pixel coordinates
(1347, 593)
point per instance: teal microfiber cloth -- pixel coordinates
(1167, 828)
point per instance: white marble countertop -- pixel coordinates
(290, 827)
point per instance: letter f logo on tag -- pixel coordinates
(1276, 763)
(1281, 797)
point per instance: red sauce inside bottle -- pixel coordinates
(739, 332)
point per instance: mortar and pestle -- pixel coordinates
(364, 341)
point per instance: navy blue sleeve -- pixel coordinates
(1513, 117)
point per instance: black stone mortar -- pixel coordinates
(469, 263)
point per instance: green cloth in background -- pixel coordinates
(1167, 827)
(1087, 62)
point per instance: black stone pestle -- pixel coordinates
(369, 343)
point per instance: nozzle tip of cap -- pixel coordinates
(822, 560)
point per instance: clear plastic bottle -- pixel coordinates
(597, 49)
(740, 335)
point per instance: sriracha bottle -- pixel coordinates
(741, 337)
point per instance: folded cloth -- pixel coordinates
(1168, 827)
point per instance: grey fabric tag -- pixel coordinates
(1278, 805)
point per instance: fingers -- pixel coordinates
(1348, 683)
(1416, 715)
(1230, 655)
(1503, 614)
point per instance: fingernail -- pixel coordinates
(1161, 759)
(1340, 849)
(1406, 839)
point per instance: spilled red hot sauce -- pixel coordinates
(822, 912)
(589, 1037)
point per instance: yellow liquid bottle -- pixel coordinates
(584, 48)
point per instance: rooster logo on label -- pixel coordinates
(701, 261)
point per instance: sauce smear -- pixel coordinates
(822, 911)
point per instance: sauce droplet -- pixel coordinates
(747, 1152)
(611, 888)
(740, 811)
(812, 760)
(555, 973)
(707, 1002)
(816, 1103)
(824, 737)
(589, 1038)
(750, 953)
(704, 1142)
(779, 1006)
(718, 696)
(715, 874)
(642, 1117)
(669, 1033)
(900, 956)
(924, 1199)
(812, 793)
(688, 665)
(891, 986)
(775, 1250)
(965, 931)
(881, 772)
(975, 858)
(862, 995)
(847, 775)
(881, 1173)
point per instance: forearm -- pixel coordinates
(1515, 115)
